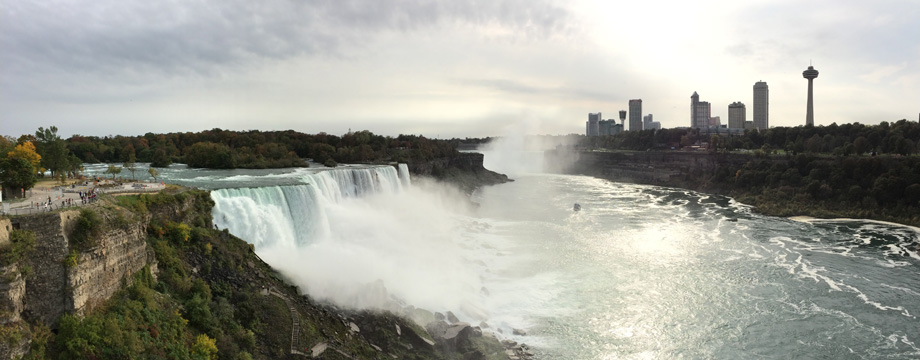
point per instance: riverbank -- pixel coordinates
(877, 188)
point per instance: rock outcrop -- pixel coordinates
(464, 170)
(47, 294)
(665, 168)
(100, 271)
(62, 279)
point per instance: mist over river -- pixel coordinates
(641, 272)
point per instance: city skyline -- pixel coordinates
(442, 69)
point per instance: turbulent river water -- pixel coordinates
(641, 272)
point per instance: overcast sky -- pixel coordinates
(445, 68)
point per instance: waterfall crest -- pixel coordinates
(294, 215)
(404, 175)
(360, 237)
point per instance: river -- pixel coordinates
(640, 272)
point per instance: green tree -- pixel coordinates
(75, 165)
(209, 155)
(6, 144)
(912, 194)
(131, 166)
(52, 149)
(114, 170)
(204, 348)
(153, 173)
(160, 158)
(814, 144)
(17, 175)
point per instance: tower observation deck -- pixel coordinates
(810, 74)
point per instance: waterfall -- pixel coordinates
(404, 175)
(294, 215)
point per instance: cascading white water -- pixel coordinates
(355, 182)
(294, 215)
(272, 215)
(404, 175)
(345, 232)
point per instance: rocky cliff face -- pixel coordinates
(47, 293)
(100, 271)
(14, 341)
(666, 168)
(273, 320)
(464, 170)
(58, 278)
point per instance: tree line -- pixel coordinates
(898, 138)
(850, 170)
(25, 159)
(225, 149)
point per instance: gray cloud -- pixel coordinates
(838, 31)
(550, 93)
(197, 38)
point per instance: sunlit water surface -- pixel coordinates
(641, 272)
(650, 272)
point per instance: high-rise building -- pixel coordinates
(810, 74)
(592, 126)
(603, 127)
(737, 115)
(703, 113)
(635, 115)
(715, 121)
(649, 124)
(699, 112)
(761, 105)
(694, 99)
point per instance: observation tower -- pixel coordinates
(810, 74)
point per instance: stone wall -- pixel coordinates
(54, 287)
(100, 271)
(12, 294)
(5, 228)
(47, 296)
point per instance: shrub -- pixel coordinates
(41, 338)
(205, 348)
(71, 259)
(21, 242)
(179, 232)
(198, 312)
(88, 228)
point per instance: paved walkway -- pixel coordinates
(37, 199)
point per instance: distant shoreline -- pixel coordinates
(809, 219)
(834, 188)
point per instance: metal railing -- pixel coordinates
(60, 199)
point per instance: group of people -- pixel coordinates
(88, 196)
(49, 205)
